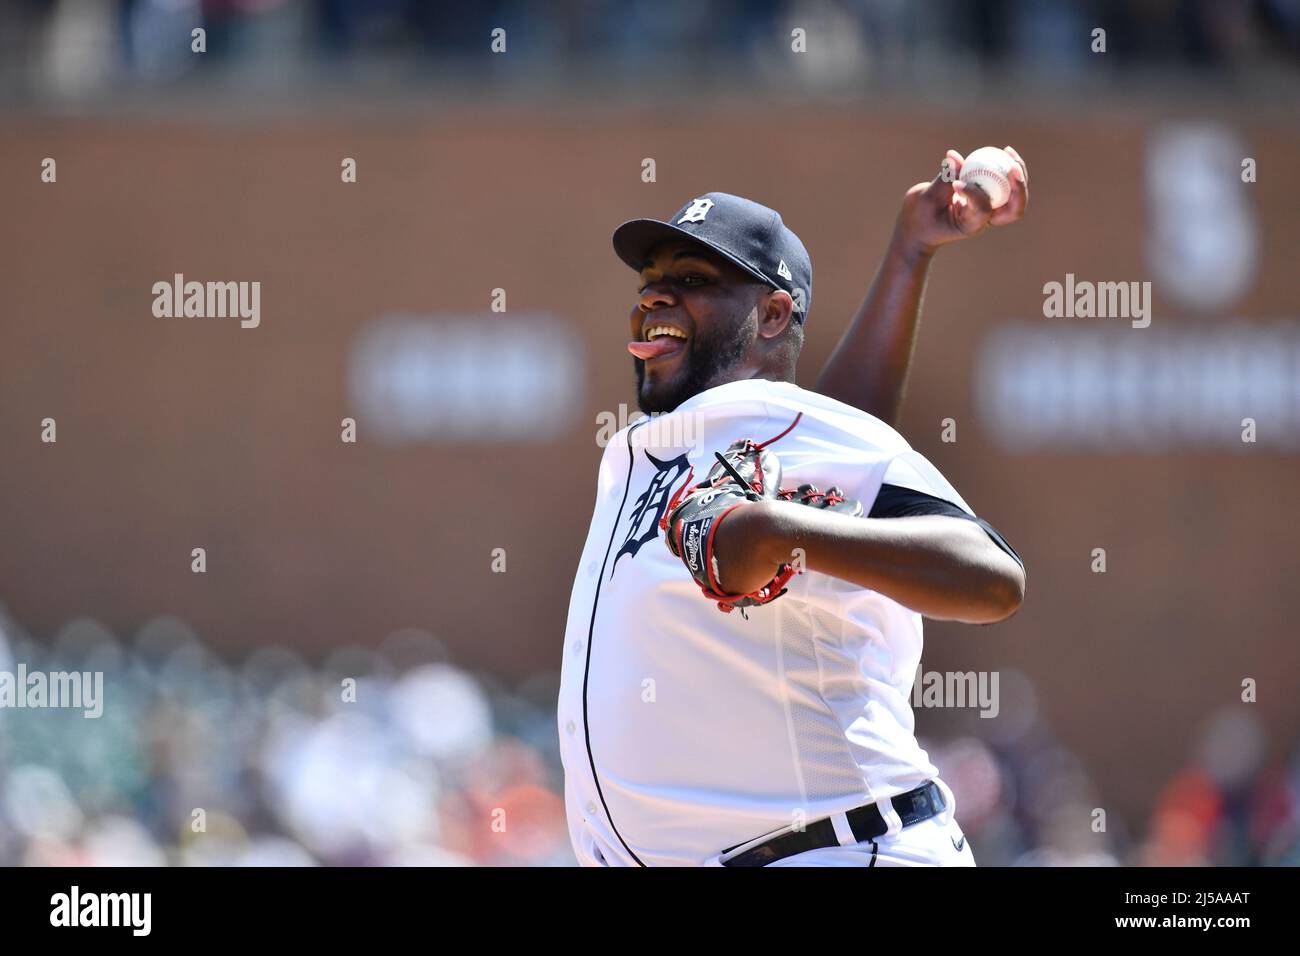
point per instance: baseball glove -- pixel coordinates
(745, 472)
(813, 497)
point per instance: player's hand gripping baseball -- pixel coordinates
(868, 368)
(948, 208)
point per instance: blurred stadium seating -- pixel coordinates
(417, 768)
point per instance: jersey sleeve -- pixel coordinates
(911, 470)
(895, 501)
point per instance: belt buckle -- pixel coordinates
(924, 802)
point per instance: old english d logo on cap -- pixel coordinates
(699, 208)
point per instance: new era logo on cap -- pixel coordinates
(748, 234)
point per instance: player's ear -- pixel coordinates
(775, 312)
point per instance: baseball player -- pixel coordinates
(745, 623)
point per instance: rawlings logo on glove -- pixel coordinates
(693, 549)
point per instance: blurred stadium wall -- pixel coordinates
(181, 433)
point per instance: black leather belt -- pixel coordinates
(866, 823)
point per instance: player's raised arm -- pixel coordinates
(868, 368)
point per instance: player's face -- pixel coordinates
(694, 325)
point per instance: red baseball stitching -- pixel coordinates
(1006, 183)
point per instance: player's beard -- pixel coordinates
(711, 358)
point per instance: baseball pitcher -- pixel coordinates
(745, 623)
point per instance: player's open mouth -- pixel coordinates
(660, 341)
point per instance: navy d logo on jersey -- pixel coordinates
(650, 506)
(699, 208)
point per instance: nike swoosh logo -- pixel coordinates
(958, 844)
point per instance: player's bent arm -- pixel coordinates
(944, 568)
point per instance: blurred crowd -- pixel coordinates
(84, 47)
(393, 756)
(383, 756)
(1026, 799)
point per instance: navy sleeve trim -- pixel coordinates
(895, 501)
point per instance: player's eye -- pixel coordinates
(692, 280)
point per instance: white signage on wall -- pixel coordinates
(455, 378)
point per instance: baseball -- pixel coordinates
(989, 169)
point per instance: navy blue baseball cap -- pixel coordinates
(740, 230)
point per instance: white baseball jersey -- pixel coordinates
(684, 730)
